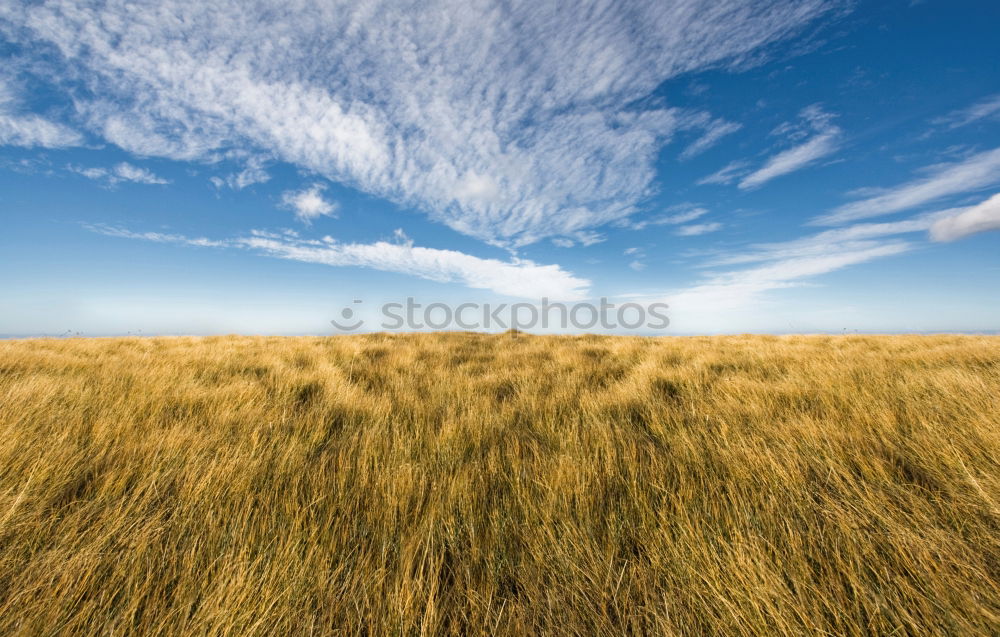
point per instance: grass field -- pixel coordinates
(476, 484)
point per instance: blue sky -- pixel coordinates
(761, 166)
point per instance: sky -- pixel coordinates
(785, 166)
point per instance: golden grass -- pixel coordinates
(474, 484)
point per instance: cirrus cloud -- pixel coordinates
(30, 130)
(973, 173)
(964, 222)
(825, 141)
(517, 277)
(121, 172)
(509, 123)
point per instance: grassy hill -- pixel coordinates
(487, 484)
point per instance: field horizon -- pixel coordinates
(507, 332)
(485, 484)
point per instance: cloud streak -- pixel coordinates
(518, 277)
(825, 142)
(32, 131)
(687, 213)
(956, 224)
(714, 130)
(737, 281)
(988, 108)
(727, 174)
(696, 229)
(122, 172)
(974, 173)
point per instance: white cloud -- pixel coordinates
(128, 172)
(308, 204)
(976, 172)
(697, 229)
(984, 109)
(825, 142)
(122, 172)
(742, 288)
(637, 255)
(34, 131)
(861, 236)
(791, 160)
(714, 130)
(773, 266)
(960, 223)
(252, 173)
(588, 237)
(688, 213)
(158, 237)
(401, 237)
(476, 187)
(30, 130)
(585, 238)
(517, 277)
(506, 124)
(681, 217)
(727, 174)
(97, 174)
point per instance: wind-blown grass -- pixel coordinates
(471, 484)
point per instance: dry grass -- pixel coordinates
(467, 484)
